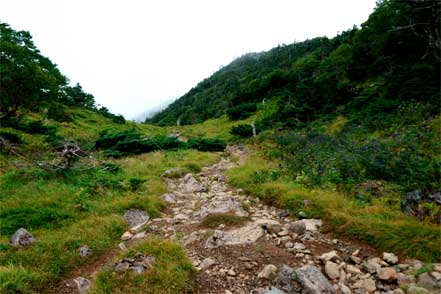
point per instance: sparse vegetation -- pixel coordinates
(230, 220)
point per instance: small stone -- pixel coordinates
(371, 266)
(387, 274)
(426, 281)
(138, 269)
(367, 284)
(417, 290)
(298, 227)
(345, 289)
(398, 291)
(231, 273)
(282, 233)
(299, 246)
(268, 272)
(228, 292)
(356, 252)
(126, 236)
(390, 258)
(355, 259)
(82, 284)
(405, 280)
(169, 198)
(353, 270)
(22, 238)
(331, 270)
(302, 215)
(122, 266)
(329, 256)
(122, 246)
(283, 213)
(206, 263)
(436, 275)
(84, 251)
(140, 235)
(437, 267)
(289, 245)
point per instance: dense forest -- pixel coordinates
(361, 73)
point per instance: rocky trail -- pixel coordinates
(260, 249)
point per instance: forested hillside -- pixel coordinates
(362, 73)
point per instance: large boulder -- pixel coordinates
(22, 238)
(222, 203)
(191, 185)
(304, 280)
(135, 217)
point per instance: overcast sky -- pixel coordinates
(134, 55)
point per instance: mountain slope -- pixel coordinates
(393, 58)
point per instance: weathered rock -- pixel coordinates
(366, 284)
(344, 289)
(405, 280)
(206, 263)
(169, 198)
(268, 272)
(191, 185)
(122, 246)
(299, 246)
(298, 227)
(428, 282)
(83, 284)
(313, 281)
(84, 250)
(436, 275)
(122, 266)
(137, 269)
(390, 258)
(135, 217)
(417, 290)
(331, 270)
(22, 238)
(270, 290)
(231, 273)
(398, 291)
(387, 274)
(126, 236)
(371, 265)
(302, 215)
(353, 270)
(329, 256)
(220, 204)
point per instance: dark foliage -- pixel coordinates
(243, 131)
(241, 111)
(11, 138)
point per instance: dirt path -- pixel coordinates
(266, 251)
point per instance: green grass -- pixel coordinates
(382, 226)
(171, 273)
(66, 211)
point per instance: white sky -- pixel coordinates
(134, 55)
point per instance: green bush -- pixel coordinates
(243, 131)
(11, 137)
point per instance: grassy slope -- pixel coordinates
(385, 228)
(64, 212)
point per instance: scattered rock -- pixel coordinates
(331, 270)
(270, 290)
(169, 198)
(283, 213)
(417, 290)
(302, 215)
(426, 281)
(22, 238)
(231, 273)
(366, 284)
(298, 227)
(206, 263)
(353, 270)
(405, 280)
(126, 236)
(299, 246)
(135, 217)
(122, 246)
(313, 281)
(344, 289)
(82, 284)
(329, 256)
(138, 264)
(84, 250)
(268, 272)
(390, 258)
(387, 274)
(191, 185)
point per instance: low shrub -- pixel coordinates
(241, 111)
(243, 131)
